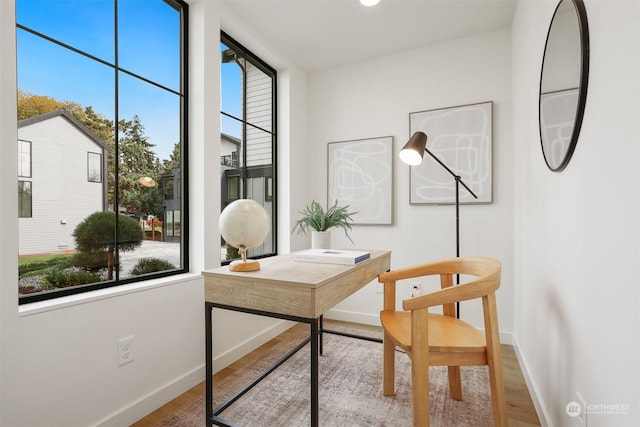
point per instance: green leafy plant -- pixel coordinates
(151, 265)
(314, 217)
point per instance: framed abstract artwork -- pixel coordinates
(461, 137)
(360, 175)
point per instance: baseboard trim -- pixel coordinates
(541, 410)
(159, 397)
(353, 317)
(154, 400)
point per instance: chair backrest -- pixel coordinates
(486, 272)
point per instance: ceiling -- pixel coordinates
(322, 34)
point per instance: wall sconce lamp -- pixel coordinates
(412, 154)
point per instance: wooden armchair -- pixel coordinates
(441, 339)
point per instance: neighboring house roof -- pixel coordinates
(231, 139)
(67, 115)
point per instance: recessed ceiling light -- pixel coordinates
(369, 2)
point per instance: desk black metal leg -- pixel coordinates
(321, 337)
(314, 373)
(208, 363)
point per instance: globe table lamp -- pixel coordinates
(244, 224)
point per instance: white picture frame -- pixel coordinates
(461, 137)
(360, 175)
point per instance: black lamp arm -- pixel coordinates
(457, 177)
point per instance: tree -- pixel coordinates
(137, 160)
(97, 233)
(174, 159)
(34, 105)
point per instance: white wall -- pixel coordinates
(576, 232)
(374, 98)
(58, 358)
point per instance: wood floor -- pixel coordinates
(520, 409)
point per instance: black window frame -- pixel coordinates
(182, 8)
(243, 170)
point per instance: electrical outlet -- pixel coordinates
(125, 350)
(416, 289)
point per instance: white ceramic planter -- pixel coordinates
(321, 239)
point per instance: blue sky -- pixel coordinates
(148, 42)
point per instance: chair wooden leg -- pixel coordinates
(420, 391)
(420, 368)
(388, 366)
(455, 382)
(498, 399)
(494, 360)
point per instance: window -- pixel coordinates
(24, 187)
(24, 159)
(248, 139)
(102, 113)
(94, 167)
(24, 199)
(168, 189)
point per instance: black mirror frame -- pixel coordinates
(584, 79)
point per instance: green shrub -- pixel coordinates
(150, 265)
(57, 278)
(36, 267)
(91, 261)
(31, 265)
(97, 233)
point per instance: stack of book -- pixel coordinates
(331, 256)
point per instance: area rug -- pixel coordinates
(350, 376)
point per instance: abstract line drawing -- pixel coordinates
(360, 175)
(461, 137)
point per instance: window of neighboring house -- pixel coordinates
(102, 96)
(94, 167)
(248, 122)
(233, 188)
(24, 187)
(24, 159)
(24, 199)
(168, 189)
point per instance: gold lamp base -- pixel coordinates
(244, 265)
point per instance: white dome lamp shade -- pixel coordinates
(244, 224)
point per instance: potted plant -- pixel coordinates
(319, 221)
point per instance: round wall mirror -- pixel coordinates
(563, 83)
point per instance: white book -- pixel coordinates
(331, 256)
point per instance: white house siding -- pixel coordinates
(259, 105)
(62, 196)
